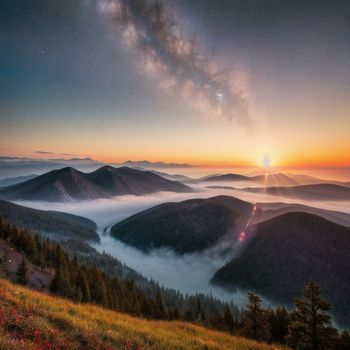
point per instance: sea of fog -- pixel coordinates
(189, 273)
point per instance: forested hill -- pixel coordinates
(187, 226)
(101, 279)
(58, 225)
(285, 252)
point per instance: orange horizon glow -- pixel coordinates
(315, 163)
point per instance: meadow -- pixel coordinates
(31, 320)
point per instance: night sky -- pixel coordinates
(200, 81)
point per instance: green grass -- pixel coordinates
(32, 320)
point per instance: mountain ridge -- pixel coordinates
(282, 254)
(48, 222)
(325, 191)
(186, 226)
(68, 184)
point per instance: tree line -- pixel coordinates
(89, 284)
(307, 327)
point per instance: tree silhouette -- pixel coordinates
(60, 283)
(310, 326)
(22, 273)
(255, 319)
(229, 323)
(279, 321)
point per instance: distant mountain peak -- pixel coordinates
(69, 184)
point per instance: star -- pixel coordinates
(220, 97)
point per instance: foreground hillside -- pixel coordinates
(31, 320)
(285, 252)
(68, 184)
(187, 226)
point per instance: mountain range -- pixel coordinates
(311, 192)
(282, 254)
(187, 226)
(69, 184)
(20, 166)
(275, 179)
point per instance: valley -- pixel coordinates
(188, 267)
(174, 175)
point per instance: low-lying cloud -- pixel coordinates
(58, 154)
(189, 273)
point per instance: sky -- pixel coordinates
(201, 81)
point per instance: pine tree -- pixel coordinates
(198, 309)
(255, 319)
(216, 320)
(229, 323)
(60, 284)
(22, 273)
(30, 246)
(5, 260)
(83, 284)
(160, 311)
(279, 321)
(344, 341)
(98, 290)
(188, 316)
(310, 326)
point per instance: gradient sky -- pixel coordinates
(276, 80)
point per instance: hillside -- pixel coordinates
(285, 252)
(38, 278)
(268, 211)
(311, 192)
(187, 226)
(69, 184)
(15, 180)
(53, 223)
(31, 320)
(279, 179)
(226, 177)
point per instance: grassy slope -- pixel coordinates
(32, 320)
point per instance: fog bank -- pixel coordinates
(189, 273)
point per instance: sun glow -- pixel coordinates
(266, 161)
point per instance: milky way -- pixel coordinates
(173, 61)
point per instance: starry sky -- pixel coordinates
(200, 81)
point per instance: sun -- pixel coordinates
(266, 161)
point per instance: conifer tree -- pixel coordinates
(344, 341)
(188, 316)
(83, 284)
(22, 273)
(198, 309)
(98, 290)
(279, 321)
(310, 326)
(5, 260)
(216, 320)
(60, 283)
(229, 323)
(255, 319)
(29, 245)
(160, 311)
